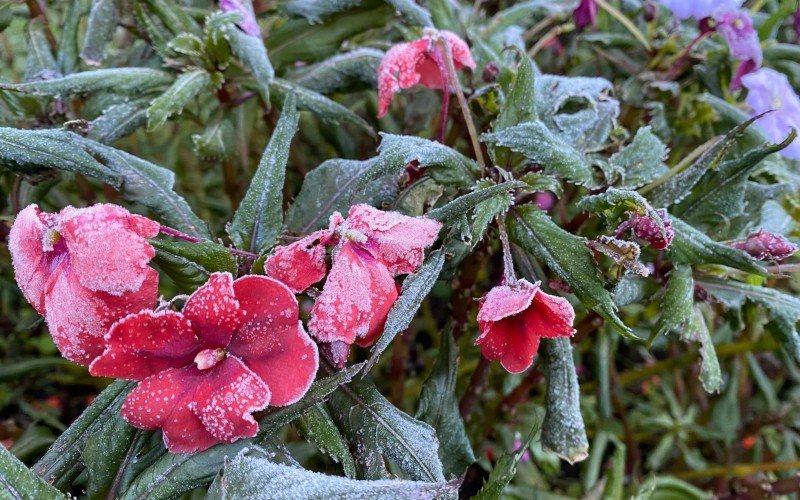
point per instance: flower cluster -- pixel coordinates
(371, 248)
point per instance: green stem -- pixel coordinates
(625, 22)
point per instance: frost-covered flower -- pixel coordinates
(766, 246)
(302, 263)
(248, 24)
(645, 228)
(236, 347)
(698, 9)
(513, 318)
(419, 62)
(585, 14)
(83, 269)
(736, 27)
(769, 90)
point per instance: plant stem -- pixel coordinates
(625, 22)
(508, 259)
(462, 101)
(477, 383)
(554, 32)
(192, 239)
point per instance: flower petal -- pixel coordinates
(550, 316)
(263, 301)
(509, 341)
(146, 343)
(214, 310)
(302, 263)
(503, 301)
(285, 359)
(107, 248)
(355, 300)
(401, 240)
(32, 264)
(462, 56)
(398, 70)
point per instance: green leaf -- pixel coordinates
(123, 81)
(188, 86)
(691, 246)
(18, 482)
(416, 287)
(61, 464)
(374, 425)
(105, 453)
(318, 427)
(190, 264)
(678, 301)
(252, 52)
(563, 430)
(784, 308)
(40, 63)
(100, 29)
(326, 109)
(642, 160)
(696, 330)
(68, 40)
(463, 204)
(669, 488)
(118, 121)
(446, 165)
(217, 140)
(486, 211)
(354, 70)
(438, 406)
(568, 256)
(503, 472)
(615, 203)
(520, 105)
(413, 13)
(173, 16)
(722, 193)
(250, 477)
(541, 145)
(315, 11)
(259, 218)
(334, 186)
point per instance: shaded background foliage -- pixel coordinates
(185, 101)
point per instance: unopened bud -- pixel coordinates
(490, 72)
(645, 228)
(766, 246)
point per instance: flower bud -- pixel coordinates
(650, 11)
(490, 72)
(645, 228)
(766, 246)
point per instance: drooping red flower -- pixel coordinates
(420, 62)
(762, 245)
(585, 14)
(83, 269)
(236, 347)
(513, 318)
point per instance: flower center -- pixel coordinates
(209, 358)
(49, 240)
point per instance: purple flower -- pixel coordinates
(645, 228)
(585, 14)
(766, 246)
(769, 90)
(737, 29)
(248, 24)
(796, 23)
(526, 455)
(699, 9)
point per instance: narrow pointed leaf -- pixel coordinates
(678, 300)
(17, 482)
(190, 264)
(100, 28)
(188, 86)
(520, 105)
(252, 52)
(123, 81)
(446, 165)
(464, 204)
(503, 472)
(105, 453)
(68, 41)
(318, 427)
(354, 70)
(40, 63)
(691, 246)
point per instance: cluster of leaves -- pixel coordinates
(169, 109)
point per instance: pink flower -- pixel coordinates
(248, 24)
(645, 228)
(302, 263)
(236, 347)
(766, 246)
(699, 9)
(419, 62)
(513, 318)
(83, 269)
(737, 29)
(585, 14)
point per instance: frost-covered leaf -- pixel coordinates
(642, 160)
(520, 105)
(252, 52)
(462, 205)
(563, 430)
(318, 427)
(354, 70)
(259, 219)
(666, 487)
(67, 50)
(307, 100)
(696, 330)
(190, 264)
(540, 144)
(416, 287)
(188, 86)
(118, 121)
(61, 464)
(100, 28)
(18, 482)
(568, 256)
(692, 246)
(616, 203)
(412, 13)
(40, 63)
(105, 453)
(438, 406)
(503, 472)
(124, 81)
(678, 300)
(316, 10)
(376, 427)
(334, 186)
(446, 165)
(173, 16)
(250, 477)
(216, 141)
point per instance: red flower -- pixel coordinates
(419, 62)
(83, 269)
(766, 246)
(302, 263)
(512, 319)
(645, 228)
(236, 347)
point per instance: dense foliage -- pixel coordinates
(590, 290)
